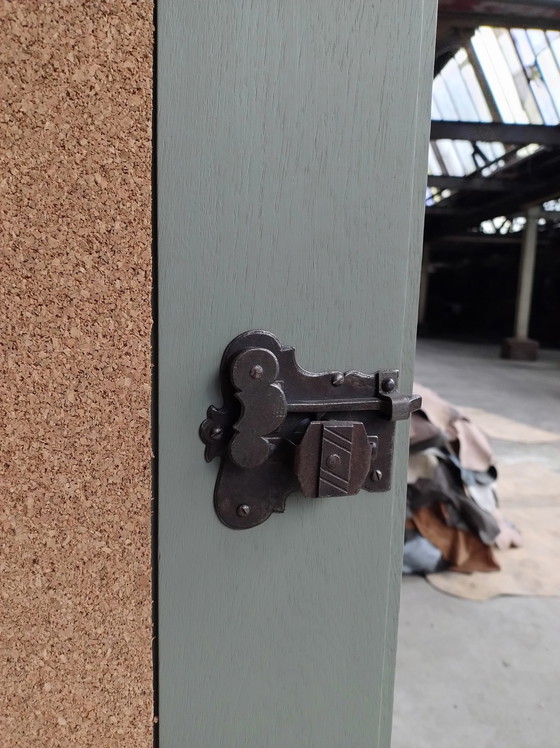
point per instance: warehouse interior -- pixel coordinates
(476, 658)
(491, 267)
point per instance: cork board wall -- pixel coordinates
(75, 452)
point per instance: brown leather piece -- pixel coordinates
(463, 550)
(473, 448)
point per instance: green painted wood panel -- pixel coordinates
(291, 159)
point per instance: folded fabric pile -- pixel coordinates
(453, 520)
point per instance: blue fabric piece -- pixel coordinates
(420, 556)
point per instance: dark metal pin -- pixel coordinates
(389, 385)
(333, 461)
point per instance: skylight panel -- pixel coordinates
(482, 110)
(433, 164)
(524, 49)
(459, 92)
(547, 78)
(521, 75)
(465, 155)
(544, 101)
(443, 101)
(499, 77)
(512, 76)
(450, 158)
(537, 38)
(551, 75)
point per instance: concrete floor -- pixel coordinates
(527, 391)
(484, 674)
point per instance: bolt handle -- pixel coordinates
(333, 459)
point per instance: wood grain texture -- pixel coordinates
(292, 147)
(75, 510)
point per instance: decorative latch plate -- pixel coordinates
(282, 428)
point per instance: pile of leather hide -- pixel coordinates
(453, 520)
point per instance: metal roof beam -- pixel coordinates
(495, 132)
(479, 239)
(474, 184)
(442, 220)
(501, 20)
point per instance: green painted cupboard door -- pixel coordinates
(291, 159)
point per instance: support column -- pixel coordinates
(521, 347)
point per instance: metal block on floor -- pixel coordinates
(520, 349)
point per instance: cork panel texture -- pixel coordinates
(75, 451)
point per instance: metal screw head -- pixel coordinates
(333, 461)
(243, 510)
(376, 475)
(257, 371)
(337, 379)
(216, 433)
(389, 385)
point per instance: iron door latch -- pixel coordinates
(282, 429)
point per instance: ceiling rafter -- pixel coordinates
(495, 132)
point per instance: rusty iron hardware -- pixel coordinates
(282, 428)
